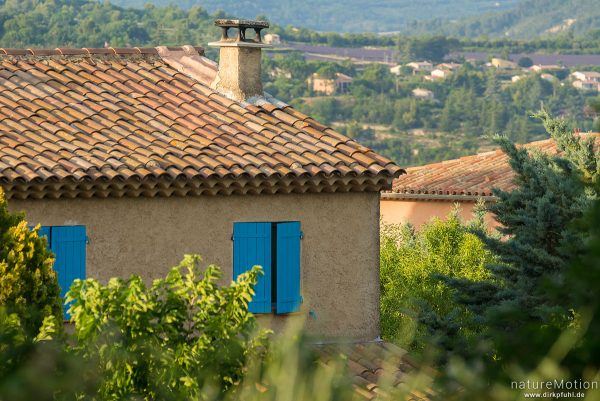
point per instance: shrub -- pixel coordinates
(28, 284)
(416, 305)
(173, 340)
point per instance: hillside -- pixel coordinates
(530, 18)
(90, 23)
(342, 15)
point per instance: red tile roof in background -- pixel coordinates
(371, 364)
(469, 176)
(145, 122)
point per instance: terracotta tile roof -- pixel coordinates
(469, 176)
(145, 122)
(377, 368)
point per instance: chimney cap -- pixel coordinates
(241, 23)
(239, 39)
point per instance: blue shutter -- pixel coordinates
(68, 244)
(288, 267)
(251, 247)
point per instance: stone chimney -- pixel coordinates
(239, 58)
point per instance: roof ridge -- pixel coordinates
(94, 51)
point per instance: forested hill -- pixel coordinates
(342, 15)
(529, 19)
(90, 23)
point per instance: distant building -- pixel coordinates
(396, 70)
(449, 66)
(420, 66)
(546, 67)
(440, 73)
(340, 83)
(421, 93)
(279, 72)
(502, 64)
(272, 39)
(592, 76)
(586, 85)
(548, 77)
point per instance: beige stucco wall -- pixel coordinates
(418, 212)
(340, 249)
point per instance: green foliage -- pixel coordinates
(572, 354)
(525, 62)
(39, 369)
(432, 48)
(539, 241)
(416, 310)
(91, 23)
(336, 15)
(172, 341)
(529, 19)
(28, 284)
(468, 105)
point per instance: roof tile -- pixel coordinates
(117, 114)
(473, 175)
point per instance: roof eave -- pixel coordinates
(149, 188)
(437, 197)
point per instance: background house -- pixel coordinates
(272, 39)
(586, 85)
(421, 93)
(546, 68)
(440, 73)
(396, 70)
(592, 76)
(131, 158)
(420, 66)
(432, 190)
(502, 64)
(339, 83)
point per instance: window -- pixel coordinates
(68, 244)
(275, 247)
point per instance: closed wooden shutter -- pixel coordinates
(251, 247)
(288, 267)
(68, 244)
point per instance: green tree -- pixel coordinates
(171, 340)
(538, 243)
(525, 62)
(28, 284)
(415, 307)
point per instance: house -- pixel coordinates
(420, 66)
(272, 39)
(584, 76)
(339, 83)
(130, 158)
(548, 77)
(421, 93)
(396, 70)
(537, 68)
(502, 64)
(586, 85)
(449, 66)
(432, 190)
(439, 73)
(280, 72)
